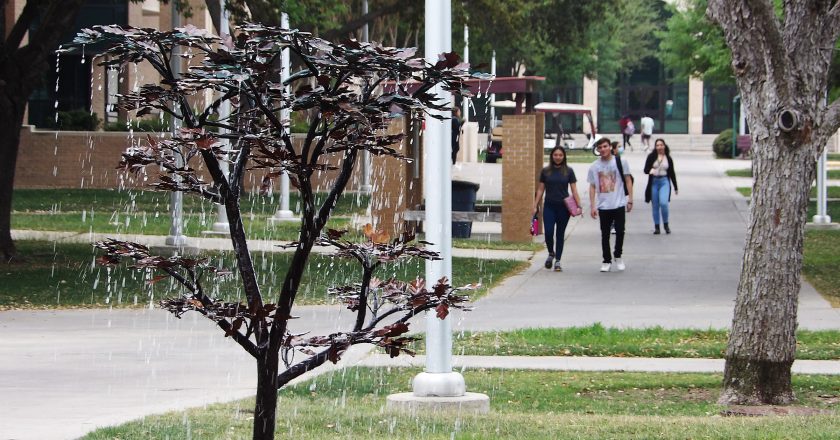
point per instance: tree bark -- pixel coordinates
(762, 343)
(21, 69)
(12, 104)
(780, 67)
(9, 144)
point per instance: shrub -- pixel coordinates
(147, 125)
(76, 120)
(722, 145)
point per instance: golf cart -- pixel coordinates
(562, 137)
(494, 143)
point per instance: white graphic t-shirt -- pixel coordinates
(609, 187)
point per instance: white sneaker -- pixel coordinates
(605, 267)
(619, 264)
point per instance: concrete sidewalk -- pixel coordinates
(686, 279)
(64, 373)
(581, 363)
(224, 244)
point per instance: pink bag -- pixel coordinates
(535, 225)
(572, 206)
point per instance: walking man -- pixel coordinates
(647, 131)
(610, 195)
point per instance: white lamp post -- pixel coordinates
(365, 186)
(822, 217)
(176, 235)
(221, 226)
(465, 113)
(438, 387)
(493, 95)
(284, 214)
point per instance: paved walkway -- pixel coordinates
(64, 373)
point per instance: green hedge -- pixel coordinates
(722, 145)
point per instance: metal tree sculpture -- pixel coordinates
(340, 88)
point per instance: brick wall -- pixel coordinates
(522, 162)
(80, 159)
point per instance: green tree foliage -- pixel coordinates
(691, 45)
(563, 40)
(625, 38)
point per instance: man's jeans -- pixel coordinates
(612, 217)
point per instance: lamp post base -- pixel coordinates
(821, 219)
(176, 240)
(822, 222)
(219, 228)
(469, 403)
(282, 216)
(449, 384)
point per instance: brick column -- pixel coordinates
(522, 161)
(395, 185)
(695, 106)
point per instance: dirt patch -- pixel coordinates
(771, 410)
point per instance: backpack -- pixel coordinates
(621, 173)
(630, 129)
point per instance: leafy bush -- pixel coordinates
(147, 125)
(723, 144)
(76, 120)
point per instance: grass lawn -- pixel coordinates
(108, 201)
(819, 265)
(575, 156)
(747, 172)
(156, 223)
(524, 405)
(64, 275)
(596, 340)
(833, 206)
(147, 212)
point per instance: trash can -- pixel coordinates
(463, 200)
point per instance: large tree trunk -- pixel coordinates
(762, 342)
(781, 67)
(21, 70)
(265, 409)
(11, 119)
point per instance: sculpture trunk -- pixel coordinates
(265, 408)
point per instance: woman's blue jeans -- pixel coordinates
(660, 192)
(555, 219)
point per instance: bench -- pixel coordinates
(744, 144)
(457, 216)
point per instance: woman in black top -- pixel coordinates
(659, 167)
(555, 181)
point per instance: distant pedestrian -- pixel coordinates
(610, 195)
(557, 182)
(456, 132)
(627, 128)
(646, 128)
(659, 166)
